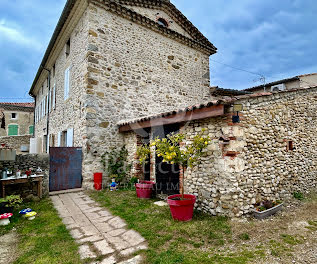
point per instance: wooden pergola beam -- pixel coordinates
(196, 114)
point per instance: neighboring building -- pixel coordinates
(287, 84)
(113, 60)
(17, 125)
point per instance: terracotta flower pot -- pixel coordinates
(182, 210)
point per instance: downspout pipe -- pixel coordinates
(48, 109)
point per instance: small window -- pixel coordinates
(290, 145)
(67, 48)
(162, 22)
(14, 115)
(13, 130)
(53, 71)
(64, 139)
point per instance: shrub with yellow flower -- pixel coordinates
(173, 151)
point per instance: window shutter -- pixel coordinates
(47, 104)
(31, 130)
(70, 136)
(54, 97)
(59, 139)
(66, 84)
(13, 130)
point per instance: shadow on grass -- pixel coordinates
(197, 241)
(44, 239)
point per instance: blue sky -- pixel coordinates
(269, 37)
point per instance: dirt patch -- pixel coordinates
(288, 237)
(8, 247)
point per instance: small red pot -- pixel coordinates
(98, 181)
(182, 210)
(144, 189)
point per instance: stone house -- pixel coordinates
(287, 84)
(16, 124)
(120, 72)
(112, 60)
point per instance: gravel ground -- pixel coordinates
(288, 237)
(8, 244)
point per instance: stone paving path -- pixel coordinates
(100, 234)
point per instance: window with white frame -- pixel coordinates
(14, 116)
(66, 83)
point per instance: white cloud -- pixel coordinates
(10, 33)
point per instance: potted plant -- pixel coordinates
(173, 150)
(9, 203)
(266, 208)
(144, 188)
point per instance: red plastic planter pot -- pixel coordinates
(144, 189)
(182, 210)
(98, 181)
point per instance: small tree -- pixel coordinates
(174, 151)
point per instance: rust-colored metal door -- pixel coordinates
(65, 168)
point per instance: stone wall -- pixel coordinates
(133, 72)
(67, 113)
(24, 120)
(257, 163)
(15, 142)
(24, 162)
(119, 70)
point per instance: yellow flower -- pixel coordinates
(171, 148)
(206, 142)
(174, 154)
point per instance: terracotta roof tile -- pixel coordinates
(18, 104)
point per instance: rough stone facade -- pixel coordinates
(16, 142)
(127, 79)
(258, 162)
(23, 162)
(24, 118)
(120, 69)
(68, 113)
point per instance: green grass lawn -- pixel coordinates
(45, 239)
(200, 241)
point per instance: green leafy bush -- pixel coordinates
(115, 164)
(12, 201)
(298, 195)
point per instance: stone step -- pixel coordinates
(66, 191)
